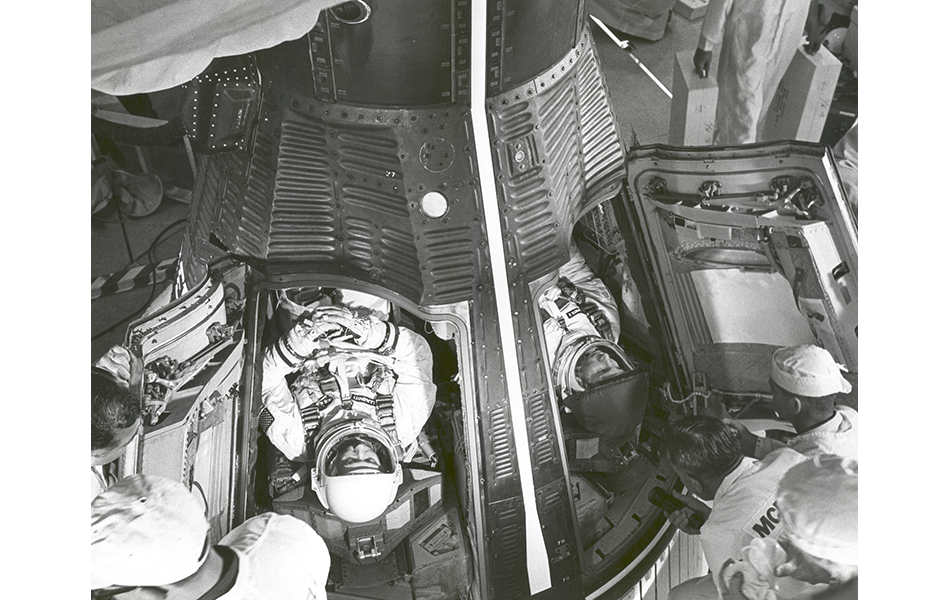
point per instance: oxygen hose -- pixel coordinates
(166, 134)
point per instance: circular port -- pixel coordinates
(434, 205)
(351, 13)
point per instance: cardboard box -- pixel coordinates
(693, 107)
(803, 98)
(691, 9)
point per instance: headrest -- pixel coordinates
(614, 407)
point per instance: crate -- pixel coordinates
(803, 98)
(691, 9)
(693, 107)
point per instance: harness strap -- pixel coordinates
(386, 414)
(559, 307)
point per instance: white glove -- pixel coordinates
(334, 322)
(326, 326)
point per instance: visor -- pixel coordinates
(358, 454)
(572, 348)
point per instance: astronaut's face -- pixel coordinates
(595, 365)
(359, 457)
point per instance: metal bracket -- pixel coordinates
(366, 548)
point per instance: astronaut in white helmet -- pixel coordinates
(350, 391)
(581, 331)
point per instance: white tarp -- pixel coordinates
(750, 307)
(143, 46)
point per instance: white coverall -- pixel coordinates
(759, 39)
(743, 509)
(573, 319)
(837, 436)
(140, 47)
(413, 392)
(99, 484)
(279, 557)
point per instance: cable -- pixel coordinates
(665, 390)
(125, 234)
(158, 239)
(141, 308)
(130, 316)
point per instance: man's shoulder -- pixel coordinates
(284, 533)
(764, 475)
(779, 459)
(279, 556)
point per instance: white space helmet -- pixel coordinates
(357, 471)
(572, 347)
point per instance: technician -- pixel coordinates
(805, 383)
(758, 39)
(116, 412)
(150, 539)
(818, 501)
(704, 452)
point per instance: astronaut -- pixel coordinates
(360, 393)
(581, 330)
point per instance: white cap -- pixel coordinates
(146, 530)
(809, 371)
(818, 502)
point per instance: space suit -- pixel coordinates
(580, 313)
(363, 387)
(594, 379)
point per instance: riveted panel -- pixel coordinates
(501, 450)
(557, 146)
(602, 146)
(508, 552)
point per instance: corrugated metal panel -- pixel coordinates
(603, 152)
(450, 261)
(557, 142)
(541, 430)
(303, 213)
(194, 263)
(501, 452)
(506, 524)
(248, 198)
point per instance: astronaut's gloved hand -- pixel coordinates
(701, 60)
(304, 338)
(339, 322)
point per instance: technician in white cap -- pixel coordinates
(805, 382)
(818, 502)
(150, 539)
